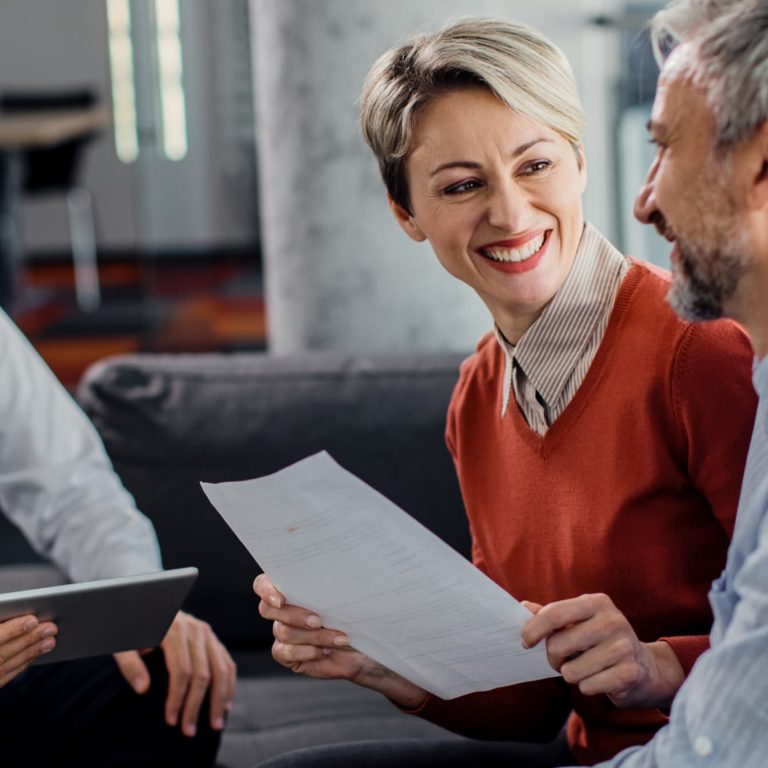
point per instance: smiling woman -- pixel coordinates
(496, 194)
(590, 458)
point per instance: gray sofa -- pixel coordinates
(170, 421)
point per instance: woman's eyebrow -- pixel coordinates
(528, 144)
(472, 164)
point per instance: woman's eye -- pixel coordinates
(464, 186)
(536, 167)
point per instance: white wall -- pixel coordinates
(205, 200)
(208, 198)
(52, 43)
(339, 272)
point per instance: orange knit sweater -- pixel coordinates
(631, 492)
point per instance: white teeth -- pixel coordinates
(516, 254)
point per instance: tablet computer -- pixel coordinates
(106, 616)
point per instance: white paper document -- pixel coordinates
(335, 546)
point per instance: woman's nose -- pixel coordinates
(505, 207)
(645, 203)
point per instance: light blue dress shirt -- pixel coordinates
(720, 715)
(56, 482)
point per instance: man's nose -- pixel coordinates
(645, 202)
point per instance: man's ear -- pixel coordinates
(405, 220)
(758, 194)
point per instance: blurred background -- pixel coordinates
(188, 175)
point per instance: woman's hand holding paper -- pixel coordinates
(305, 646)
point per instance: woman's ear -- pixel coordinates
(582, 162)
(406, 221)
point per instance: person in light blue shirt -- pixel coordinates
(707, 193)
(58, 486)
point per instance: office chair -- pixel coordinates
(55, 169)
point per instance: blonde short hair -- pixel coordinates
(525, 70)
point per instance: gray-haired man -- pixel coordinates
(707, 192)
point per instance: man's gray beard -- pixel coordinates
(703, 280)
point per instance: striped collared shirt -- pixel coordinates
(548, 364)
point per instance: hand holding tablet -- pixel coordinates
(22, 640)
(90, 618)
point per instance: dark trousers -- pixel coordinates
(427, 753)
(83, 713)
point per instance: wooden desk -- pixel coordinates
(23, 130)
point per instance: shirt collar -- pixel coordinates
(509, 360)
(760, 377)
(550, 349)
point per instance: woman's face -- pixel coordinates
(498, 196)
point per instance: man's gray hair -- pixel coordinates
(730, 61)
(681, 19)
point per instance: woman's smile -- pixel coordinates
(498, 197)
(519, 255)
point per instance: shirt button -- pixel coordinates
(703, 746)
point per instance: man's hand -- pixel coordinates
(592, 645)
(196, 660)
(22, 640)
(305, 646)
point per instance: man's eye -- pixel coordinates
(464, 186)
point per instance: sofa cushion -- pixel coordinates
(273, 715)
(169, 422)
